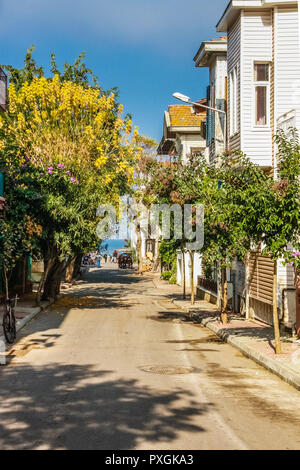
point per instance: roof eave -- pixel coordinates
(207, 50)
(185, 129)
(228, 16)
(165, 146)
(234, 6)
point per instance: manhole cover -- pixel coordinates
(168, 370)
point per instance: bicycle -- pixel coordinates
(9, 320)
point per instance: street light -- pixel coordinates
(186, 99)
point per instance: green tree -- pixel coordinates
(65, 143)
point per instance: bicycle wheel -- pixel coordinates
(9, 327)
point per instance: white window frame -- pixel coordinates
(233, 96)
(267, 85)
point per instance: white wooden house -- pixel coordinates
(183, 131)
(263, 94)
(213, 54)
(184, 134)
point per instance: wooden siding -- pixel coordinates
(233, 58)
(286, 278)
(287, 60)
(256, 46)
(272, 89)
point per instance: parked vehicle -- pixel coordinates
(125, 261)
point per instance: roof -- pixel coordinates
(182, 115)
(221, 38)
(180, 119)
(208, 48)
(234, 6)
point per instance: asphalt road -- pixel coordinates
(113, 365)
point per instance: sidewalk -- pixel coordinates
(254, 339)
(26, 310)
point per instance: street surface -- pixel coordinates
(115, 365)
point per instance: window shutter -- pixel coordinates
(209, 122)
(221, 104)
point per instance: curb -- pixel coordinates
(282, 371)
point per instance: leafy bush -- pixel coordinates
(166, 275)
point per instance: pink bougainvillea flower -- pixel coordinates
(68, 173)
(73, 180)
(60, 166)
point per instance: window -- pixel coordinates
(233, 96)
(261, 93)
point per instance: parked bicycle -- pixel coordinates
(9, 320)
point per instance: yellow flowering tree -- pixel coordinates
(67, 140)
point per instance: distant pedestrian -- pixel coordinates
(86, 259)
(114, 256)
(98, 259)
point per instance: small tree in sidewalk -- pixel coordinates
(280, 225)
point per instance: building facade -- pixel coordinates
(213, 55)
(184, 133)
(263, 89)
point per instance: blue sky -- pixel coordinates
(144, 47)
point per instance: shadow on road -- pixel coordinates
(78, 407)
(111, 282)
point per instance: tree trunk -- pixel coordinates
(52, 283)
(139, 249)
(53, 280)
(275, 312)
(6, 283)
(77, 266)
(224, 317)
(183, 275)
(49, 260)
(70, 269)
(192, 278)
(247, 264)
(24, 272)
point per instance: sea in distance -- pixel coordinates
(112, 245)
